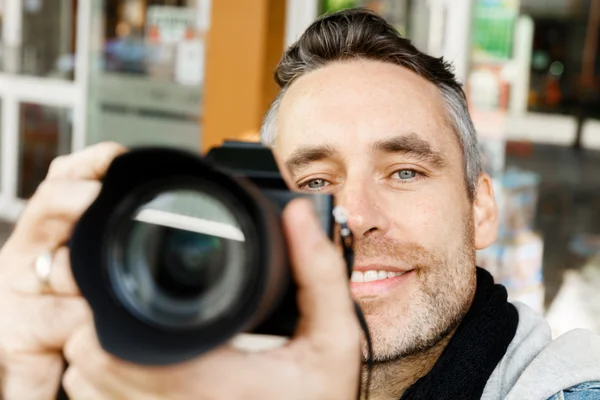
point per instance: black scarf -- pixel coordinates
(478, 345)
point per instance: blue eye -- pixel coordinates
(406, 174)
(315, 184)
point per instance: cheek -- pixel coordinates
(434, 220)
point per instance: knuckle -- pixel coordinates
(8, 353)
(50, 232)
(111, 146)
(81, 350)
(62, 279)
(58, 166)
(45, 195)
(70, 351)
(45, 188)
(107, 151)
(74, 348)
(70, 380)
(63, 198)
(53, 209)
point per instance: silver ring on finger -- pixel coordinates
(43, 270)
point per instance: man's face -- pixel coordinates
(376, 136)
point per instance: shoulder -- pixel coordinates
(555, 367)
(584, 391)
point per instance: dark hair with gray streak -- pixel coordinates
(362, 34)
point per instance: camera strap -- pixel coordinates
(347, 241)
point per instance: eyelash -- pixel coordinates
(305, 183)
(418, 175)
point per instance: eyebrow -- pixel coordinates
(413, 146)
(305, 155)
(409, 144)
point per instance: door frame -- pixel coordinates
(16, 89)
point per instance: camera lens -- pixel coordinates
(183, 260)
(179, 253)
(188, 263)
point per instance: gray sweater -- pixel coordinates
(535, 367)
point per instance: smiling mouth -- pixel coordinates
(378, 282)
(374, 275)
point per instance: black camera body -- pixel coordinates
(179, 253)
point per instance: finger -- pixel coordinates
(78, 387)
(56, 319)
(106, 371)
(50, 215)
(31, 376)
(25, 281)
(32, 359)
(89, 163)
(62, 281)
(84, 352)
(326, 307)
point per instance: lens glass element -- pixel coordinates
(183, 259)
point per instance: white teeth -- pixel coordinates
(357, 276)
(373, 275)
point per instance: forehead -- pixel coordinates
(349, 105)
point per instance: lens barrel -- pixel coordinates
(175, 257)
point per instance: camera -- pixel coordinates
(180, 252)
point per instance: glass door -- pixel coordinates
(44, 61)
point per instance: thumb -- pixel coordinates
(324, 300)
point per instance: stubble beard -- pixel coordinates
(442, 296)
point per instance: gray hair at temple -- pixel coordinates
(362, 34)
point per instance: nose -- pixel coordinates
(366, 213)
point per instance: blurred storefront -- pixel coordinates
(147, 60)
(76, 72)
(43, 69)
(534, 96)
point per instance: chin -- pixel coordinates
(402, 327)
(388, 323)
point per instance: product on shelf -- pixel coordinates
(520, 190)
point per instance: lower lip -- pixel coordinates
(376, 288)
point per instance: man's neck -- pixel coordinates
(390, 380)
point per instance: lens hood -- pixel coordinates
(98, 246)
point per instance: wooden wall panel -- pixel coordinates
(245, 42)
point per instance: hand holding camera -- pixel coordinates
(169, 288)
(39, 313)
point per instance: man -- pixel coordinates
(365, 116)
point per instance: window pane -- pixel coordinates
(147, 72)
(158, 39)
(1, 17)
(1, 133)
(1, 33)
(45, 133)
(48, 39)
